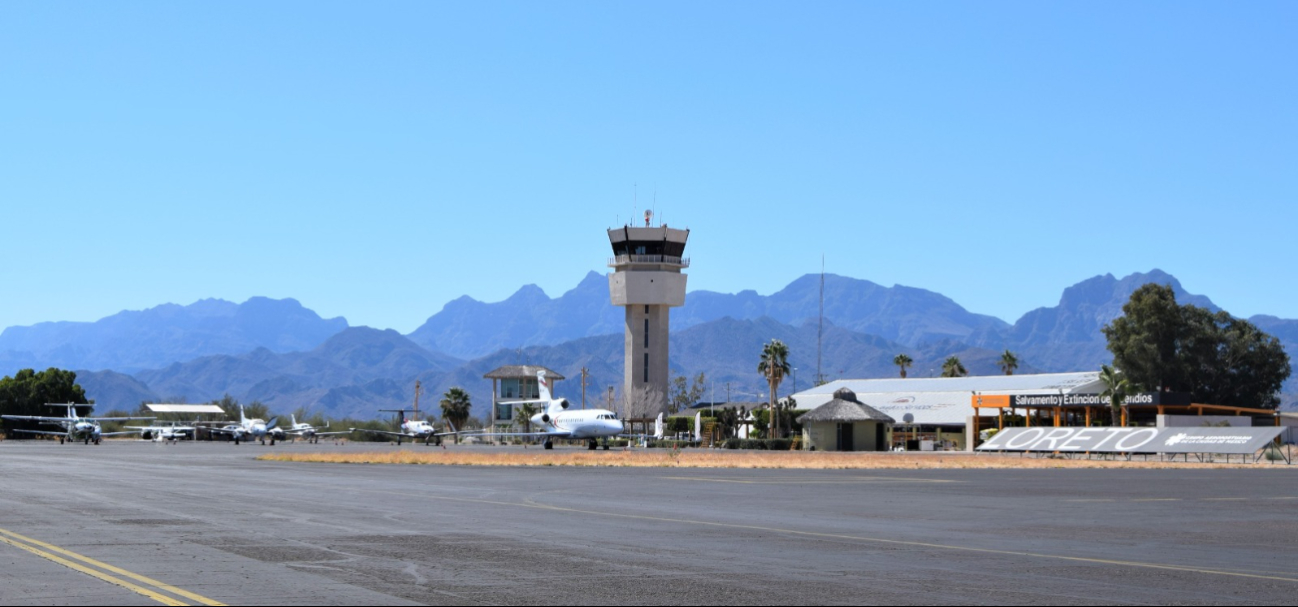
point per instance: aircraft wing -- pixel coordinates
(45, 433)
(331, 433)
(119, 419)
(118, 433)
(34, 418)
(384, 433)
(226, 430)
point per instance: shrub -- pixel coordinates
(759, 444)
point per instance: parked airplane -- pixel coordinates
(410, 429)
(75, 428)
(309, 432)
(557, 422)
(257, 429)
(158, 433)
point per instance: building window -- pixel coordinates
(646, 367)
(646, 333)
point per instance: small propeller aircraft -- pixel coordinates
(161, 434)
(557, 422)
(413, 430)
(75, 428)
(308, 432)
(252, 429)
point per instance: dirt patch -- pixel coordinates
(744, 459)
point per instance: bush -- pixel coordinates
(671, 444)
(759, 444)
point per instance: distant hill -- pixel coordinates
(113, 391)
(1068, 337)
(131, 341)
(358, 356)
(469, 328)
(288, 357)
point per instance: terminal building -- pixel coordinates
(948, 414)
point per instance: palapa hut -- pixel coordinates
(845, 424)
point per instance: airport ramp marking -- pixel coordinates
(854, 538)
(97, 569)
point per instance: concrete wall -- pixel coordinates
(824, 436)
(665, 288)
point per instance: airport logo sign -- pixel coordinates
(1234, 441)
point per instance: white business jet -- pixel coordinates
(75, 428)
(252, 429)
(307, 432)
(558, 422)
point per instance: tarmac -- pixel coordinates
(130, 523)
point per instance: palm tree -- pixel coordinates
(524, 412)
(1009, 363)
(903, 362)
(456, 406)
(954, 368)
(774, 366)
(1116, 388)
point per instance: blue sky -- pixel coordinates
(376, 160)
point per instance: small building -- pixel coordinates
(845, 424)
(513, 385)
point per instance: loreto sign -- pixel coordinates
(1232, 441)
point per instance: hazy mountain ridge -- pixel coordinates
(355, 371)
(134, 340)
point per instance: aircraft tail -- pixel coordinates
(659, 427)
(544, 384)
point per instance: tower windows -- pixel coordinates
(646, 333)
(646, 367)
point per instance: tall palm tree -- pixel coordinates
(774, 366)
(1009, 363)
(954, 368)
(903, 362)
(1116, 389)
(456, 406)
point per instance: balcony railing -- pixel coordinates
(667, 260)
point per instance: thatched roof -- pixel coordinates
(845, 409)
(523, 372)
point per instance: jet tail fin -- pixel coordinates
(658, 427)
(544, 383)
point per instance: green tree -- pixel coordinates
(954, 368)
(684, 394)
(774, 366)
(1144, 340)
(1217, 358)
(27, 393)
(1009, 363)
(456, 407)
(1116, 390)
(903, 362)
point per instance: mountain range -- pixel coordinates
(286, 356)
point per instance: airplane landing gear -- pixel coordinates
(549, 445)
(592, 445)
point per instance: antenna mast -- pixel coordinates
(820, 331)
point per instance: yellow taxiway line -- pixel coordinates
(101, 571)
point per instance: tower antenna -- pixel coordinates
(820, 331)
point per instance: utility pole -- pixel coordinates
(727, 391)
(585, 374)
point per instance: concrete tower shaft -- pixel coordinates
(647, 281)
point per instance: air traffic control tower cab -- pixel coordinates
(647, 280)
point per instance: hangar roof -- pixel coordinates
(945, 401)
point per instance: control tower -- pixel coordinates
(647, 281)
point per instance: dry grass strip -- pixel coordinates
(655, 458)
